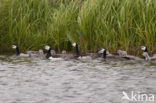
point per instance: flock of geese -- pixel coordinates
(102, 54)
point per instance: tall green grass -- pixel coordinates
(112, 24)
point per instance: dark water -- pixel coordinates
(29, 80)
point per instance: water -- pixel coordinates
(30, 80)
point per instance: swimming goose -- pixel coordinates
(146, 55)
(107, 56)
(123, 54)
(50, 56)
(103, 52)
(18, 52)
(111, 57)
(78, 56)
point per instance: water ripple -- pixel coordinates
(31, 80)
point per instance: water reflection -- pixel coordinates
(24, 80)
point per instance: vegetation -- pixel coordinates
(112, 24)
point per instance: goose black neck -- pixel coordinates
(104, 54)
(77, 50)
(48, 53)
(146, 50)
(17, 51)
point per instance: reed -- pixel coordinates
(112, 24)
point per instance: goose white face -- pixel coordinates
(143, 48)
(47, 47)
(74, 44)
(14, 46)
(102, 50)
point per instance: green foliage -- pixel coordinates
(113, 24)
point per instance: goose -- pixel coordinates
(18, 52)
(123, 54)
(107, 56)
(100, 54)
(78, 56)
(71, 56)
(103, 52)
(146, 55)
(50, 56)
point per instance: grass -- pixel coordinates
(112, 24)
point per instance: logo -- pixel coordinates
(137, 96)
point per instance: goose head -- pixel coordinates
(14, 46)
(74, 44)
(47, 47)
(144, 48)
(101, 51)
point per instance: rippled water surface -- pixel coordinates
(29, 80)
